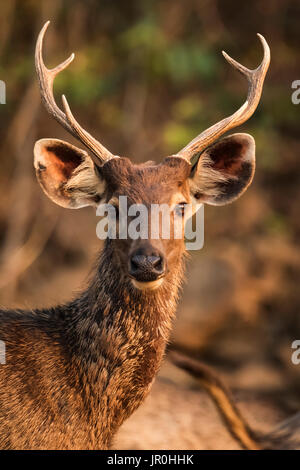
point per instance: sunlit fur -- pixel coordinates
(75, 372)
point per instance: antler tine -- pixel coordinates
(84, 136)
(255, 79)
(46, 78)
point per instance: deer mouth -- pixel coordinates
(149, 285)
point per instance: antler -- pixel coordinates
(66, 119)
(255, 79)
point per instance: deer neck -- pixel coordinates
(119, 337)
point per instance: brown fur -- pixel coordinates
(74, 373)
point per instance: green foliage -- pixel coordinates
(176, 135)
(175, 60)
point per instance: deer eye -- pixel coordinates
(179, 209)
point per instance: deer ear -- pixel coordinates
(67, 174)
(224, 170)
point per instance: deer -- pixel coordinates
(75, 372)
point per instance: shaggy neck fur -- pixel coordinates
(75, 372)
(116, 339)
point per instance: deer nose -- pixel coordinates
(146, 268)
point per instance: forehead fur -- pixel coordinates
(147, 181)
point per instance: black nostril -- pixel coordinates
(137, 261)
(146, 267)
(156, 262)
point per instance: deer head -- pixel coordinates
(209, 170)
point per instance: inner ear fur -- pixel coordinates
(224, 170)
(67, 174)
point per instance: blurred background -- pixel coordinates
(148, 76)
